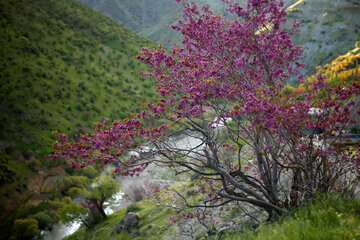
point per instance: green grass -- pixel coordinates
(333, 217)
(154, 224)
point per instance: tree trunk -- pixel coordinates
(101, 209)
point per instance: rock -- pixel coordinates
(131, 220)
(28, 154)
(212, 232)
(118, 229)
(224, 229)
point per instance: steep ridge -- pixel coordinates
(329, 27)
(150, 18)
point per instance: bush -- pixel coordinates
(25, 229)
(89, 172)
(45, 221)
(133, 208)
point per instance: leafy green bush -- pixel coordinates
(133, 208)
(75, 181)
(25, 229)
(44, 220)
(89, 172)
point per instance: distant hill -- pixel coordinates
(149, 18)
(328, 27)
(63, 66)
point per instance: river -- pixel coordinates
(60, 230)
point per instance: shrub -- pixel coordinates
(25, 229)
(45, 221)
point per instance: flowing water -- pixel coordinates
(60, 230)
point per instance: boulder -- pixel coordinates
(118, 229)
(131, 220)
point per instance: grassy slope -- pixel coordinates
(63, 66)
(333, 217)
(154, 224)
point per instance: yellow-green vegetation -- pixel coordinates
(343, 70)
(154, 223)
(331, 217)
(25, 229)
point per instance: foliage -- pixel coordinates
(235, 69)
(89, 172)
(133, 208)
(7, 221)
(327, 217)
(52, 208)
(73, 185)
(94, 196)
(44, 220)
(71, 213)
(25, 229)
(103, 189)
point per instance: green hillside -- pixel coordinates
(63, 66)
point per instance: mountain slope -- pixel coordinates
(149, 18)
(63, 66)
(328, 26)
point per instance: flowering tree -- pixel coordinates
(222, 88)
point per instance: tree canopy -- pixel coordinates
(91, 206)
